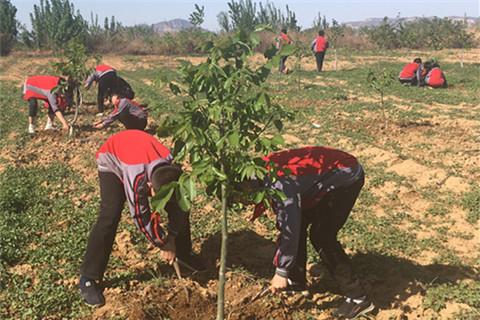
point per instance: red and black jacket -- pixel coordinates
(132, 155)
(40, 87)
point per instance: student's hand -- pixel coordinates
(278, 283)
(168, 250)
(66, 127)
(98, 125)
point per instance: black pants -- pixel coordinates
(319, 58)
(412, 81)
(325, 221)
(33, 108)
(282, 65)
(106, 85)
(102, 236)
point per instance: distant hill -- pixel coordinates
(372, 22)
(174, 25)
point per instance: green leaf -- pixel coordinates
(234, 139)
(278, 140)
(159, 201)
(219, 173)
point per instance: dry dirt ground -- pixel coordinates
(398, 296)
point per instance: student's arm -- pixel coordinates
(137, 192)
(289, 224)
(122, 106)
(92, 77)
(52, 101)
(312, 46)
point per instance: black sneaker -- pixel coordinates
(296, 287)
(192, 262)
(90, 292)
(352, 308)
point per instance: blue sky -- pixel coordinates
(149, 11)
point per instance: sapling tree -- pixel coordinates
(227, 123)
(380, 81)
(336, 31)
(72, 65)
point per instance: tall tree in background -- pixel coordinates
(243, 15)
(55, 23)
(198, 16)
(8, 26)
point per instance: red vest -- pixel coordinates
(134, 147)
(44, 83)
(435, 78)
(103, 67)
(409, 71)
(311, 160)
(320, 44)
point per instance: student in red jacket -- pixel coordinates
(435, 77)
(128, 112)
(40, 88)
(412, 73)
(132, 165)
(321, 187)
(280, 41)
(108, 82)
(319, 46)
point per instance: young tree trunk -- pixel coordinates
(336, 60)
(223, 258)
(461, 58)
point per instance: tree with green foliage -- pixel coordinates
(243, 15)
(227, 123)
(55, 23)
(320, 22)
(8, 26)
(380, 81)
(198, 16)
(72, 65)
(335, 32)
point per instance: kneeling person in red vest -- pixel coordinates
(128, 112)
(321, 187)
(131, 165)
(435, 77)
(40, 88)
(411, 73)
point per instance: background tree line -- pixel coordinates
(55, 22)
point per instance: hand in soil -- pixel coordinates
(278, 283)
(168, 251)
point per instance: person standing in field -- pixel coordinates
(108, 82)
(280, 41)
(132, 166)
(321, 186)
(130, 113)
(41, 88)
(319, 47)
(412, 73)
(435, 78)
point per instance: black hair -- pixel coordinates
(321, 32)
(417, 60)
(164, 174)
(284, 30)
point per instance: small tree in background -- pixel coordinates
(227, 123)
(8, 26)
(380, 81)
(72, 65)
(198, 16)
(336, 31)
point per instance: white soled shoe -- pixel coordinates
(49, 125)
(31, 128)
